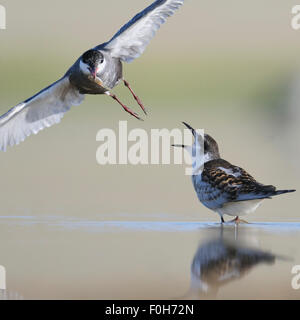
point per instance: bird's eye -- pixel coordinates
(102, 60)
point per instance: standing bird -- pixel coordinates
(221, 186)
(97, 71)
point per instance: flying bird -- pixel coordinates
(221, 186)
(97, 71)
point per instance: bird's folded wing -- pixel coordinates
(131, 40)
(235, 184)
(38, 112)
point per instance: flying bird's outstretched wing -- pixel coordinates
(44, 109)
(131, 40)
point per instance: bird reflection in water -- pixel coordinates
(221, 260)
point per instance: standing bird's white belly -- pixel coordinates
(239, 208)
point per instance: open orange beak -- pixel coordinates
(93, 72)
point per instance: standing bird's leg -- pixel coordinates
(237, 220)
(123, 105)
(137, 99)
(222, 220)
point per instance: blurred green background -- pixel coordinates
(230, 67)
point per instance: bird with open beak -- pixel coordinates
(221, 186)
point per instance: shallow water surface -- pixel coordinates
(65, 258)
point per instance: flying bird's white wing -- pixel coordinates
(38, 112)
(131, 40)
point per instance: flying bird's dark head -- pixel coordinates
(211, 149)
(91, 62)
